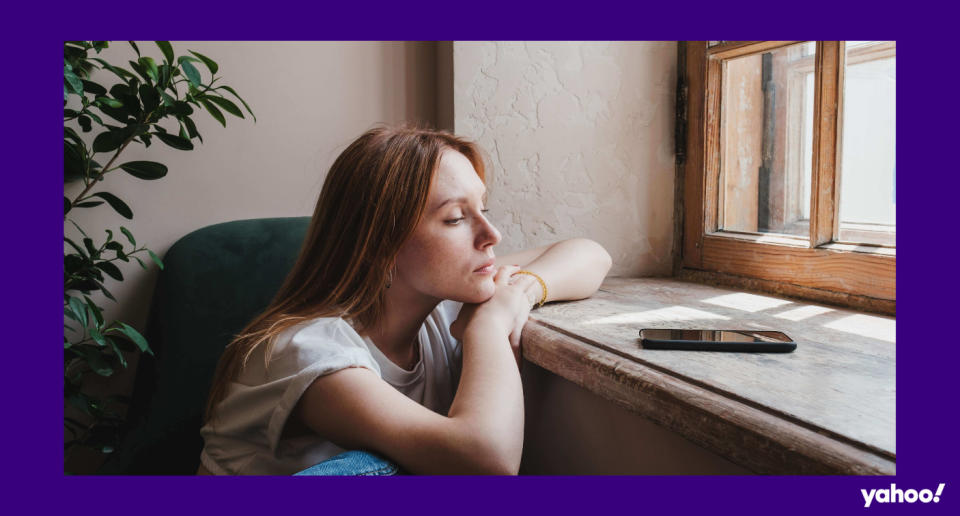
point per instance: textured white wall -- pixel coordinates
(580, 139)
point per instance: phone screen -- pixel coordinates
(717, 335)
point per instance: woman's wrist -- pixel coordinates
(534, 292)
(482, 328)
(531, 288)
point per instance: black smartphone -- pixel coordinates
(718, 340)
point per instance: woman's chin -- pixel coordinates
(480, 292)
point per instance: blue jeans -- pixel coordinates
(353, 463)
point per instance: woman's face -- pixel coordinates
(450, 253)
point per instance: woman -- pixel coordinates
(398, 329)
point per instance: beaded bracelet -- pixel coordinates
(543, 285)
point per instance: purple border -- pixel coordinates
(927, 444)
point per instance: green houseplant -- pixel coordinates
(130, 111)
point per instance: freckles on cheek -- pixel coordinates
(420, 258)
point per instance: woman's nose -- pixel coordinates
(489, 235)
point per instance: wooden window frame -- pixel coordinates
(818, 268)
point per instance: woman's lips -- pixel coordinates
(487, 268)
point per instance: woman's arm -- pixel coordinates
(572, 269)
(483, 432)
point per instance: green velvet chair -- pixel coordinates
(215, 280)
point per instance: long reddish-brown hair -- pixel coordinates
(372, 199)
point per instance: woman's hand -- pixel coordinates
(508, 309)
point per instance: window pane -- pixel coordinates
(868, 193)
(766, 136)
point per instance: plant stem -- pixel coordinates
(107, 166)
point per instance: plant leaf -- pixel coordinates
(82, 232)
(119, 72)
(147, 170)
(98, 364)
(141, 71)
(94, 88)
(191, 128)
(126, 232)
(181, 108)
(79, 309)
(228, 106)
(72, 135)
(190, 71)
(109, 102)
(167, 50)
(231, 90)
(88, 204)
(175, 141)
(135, 49)
(79, 402)
(116, 246)
(211, 65)
(75, 246)
(95, 117)
(95, 309)
(149, 97)
(66, 205)
(213, 111)
(73, 165)
(111, 270)
(115, 202)
(119, 354)
(97, 337)
(155, 258)
(88, 243)
(135, 337)
(108, 141)
(106, 292)
(73, 81)
(164, 75)
(150, 67)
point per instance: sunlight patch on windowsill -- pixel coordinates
(747, 302)
(804, 312)
(879, 328)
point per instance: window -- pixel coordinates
(788, 155)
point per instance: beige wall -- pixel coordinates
(311, 99)
(580, 138)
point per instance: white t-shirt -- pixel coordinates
(245, 438)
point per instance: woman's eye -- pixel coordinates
(454, 222)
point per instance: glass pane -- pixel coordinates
(868, 190)
(766, 135)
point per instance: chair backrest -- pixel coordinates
(215, 280)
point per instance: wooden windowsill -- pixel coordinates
(827, 408)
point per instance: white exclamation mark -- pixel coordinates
(936, 498)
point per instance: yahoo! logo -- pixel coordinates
(895, 495)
